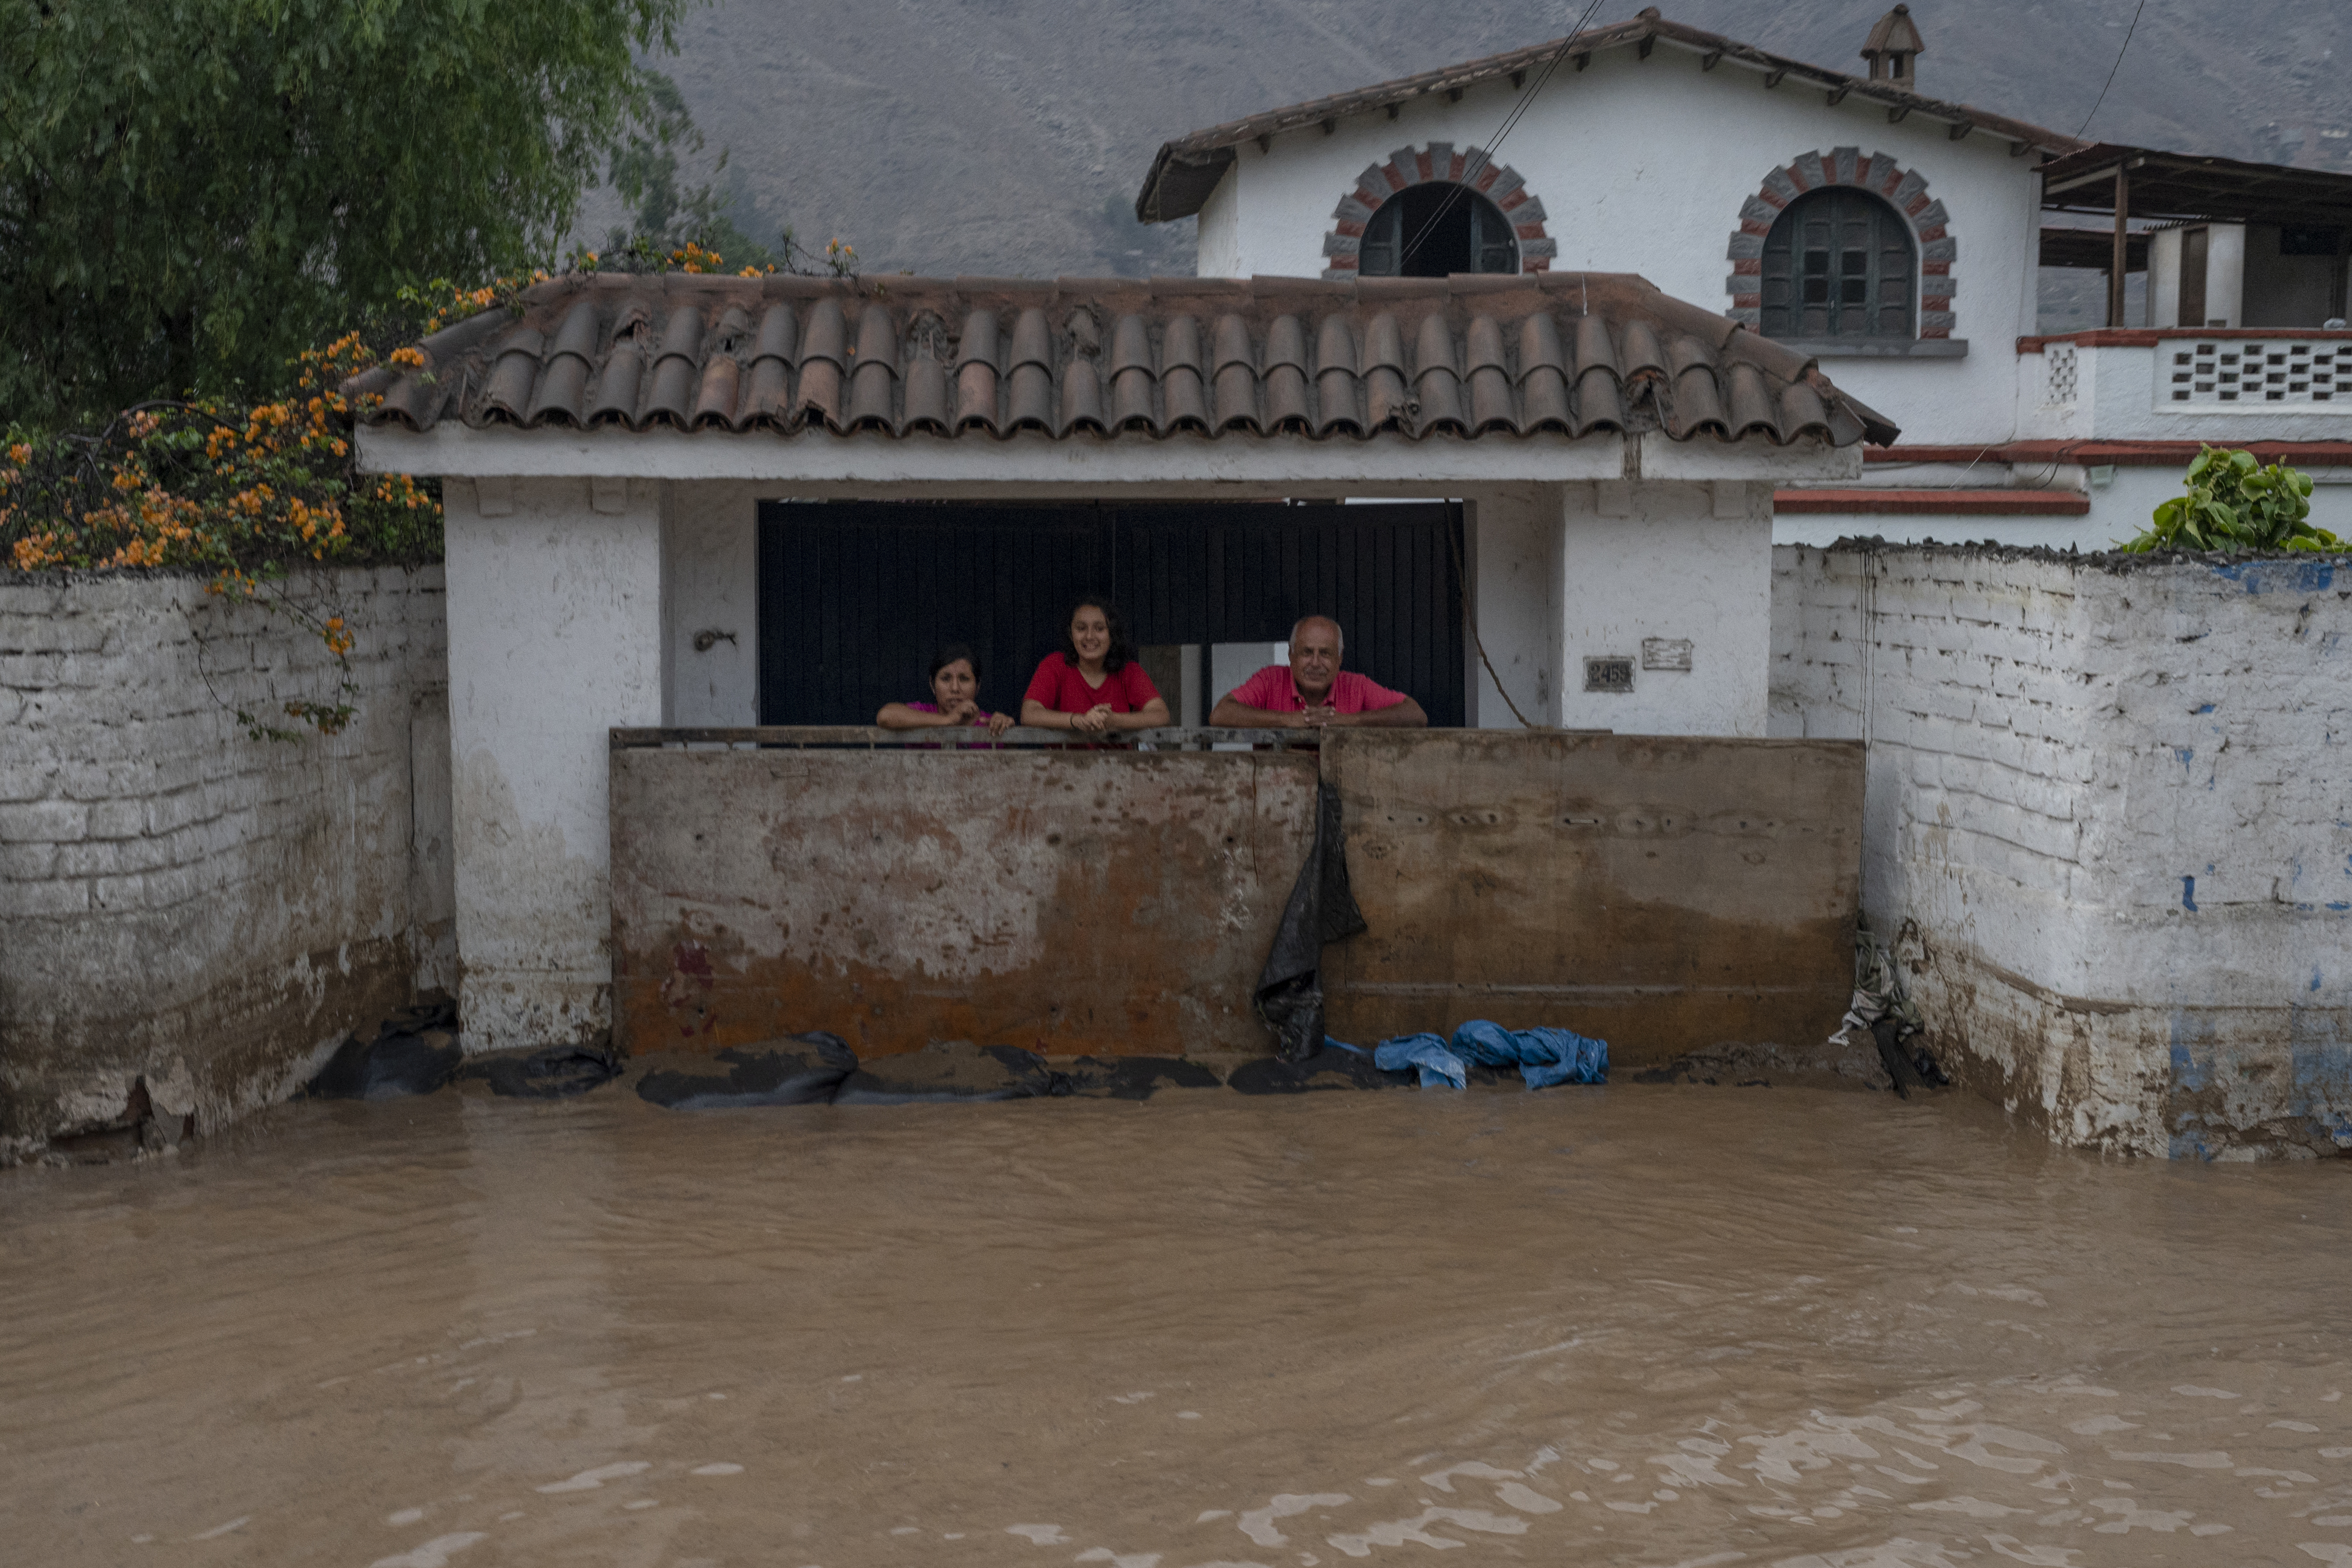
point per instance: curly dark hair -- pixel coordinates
(1120, 651)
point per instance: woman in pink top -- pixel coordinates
(1093, 684)
(955, 698)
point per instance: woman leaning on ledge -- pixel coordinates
(1094, 684)
(955, 698)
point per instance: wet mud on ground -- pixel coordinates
(1645, 1324)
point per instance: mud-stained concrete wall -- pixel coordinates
(1669, 894)
(1061, 901)
(189, 918)
(1665, 894)
(2109, 828)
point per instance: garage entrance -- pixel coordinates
(855, 596)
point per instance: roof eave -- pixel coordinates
(1224, 140)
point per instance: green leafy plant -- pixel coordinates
(2233, 503)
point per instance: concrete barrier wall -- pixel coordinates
(2109, 826)
(1058, 901)
(185, 912)
(1668, 894)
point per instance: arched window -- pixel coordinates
(1471, 235)
(1838, 263)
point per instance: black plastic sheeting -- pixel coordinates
(820, 1068)
(1135, 1077)
(1322, 909)
(1333, 1067)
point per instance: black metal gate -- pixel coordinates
(855, 596)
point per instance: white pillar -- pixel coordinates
(556, 636)
(1674, 578)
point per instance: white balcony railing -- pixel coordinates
(2166, 384)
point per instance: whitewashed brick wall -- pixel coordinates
(2109, 826)
(186, 908)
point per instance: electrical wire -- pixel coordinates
(1481, 158)
(2111, 69)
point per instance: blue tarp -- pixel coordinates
(1544, 1057)
(1427, 1052)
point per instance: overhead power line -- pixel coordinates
(1484, 156)
(2112, 68)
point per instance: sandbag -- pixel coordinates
(395, 1063)
(556, 1072)
(1136, 1078)
(950, 1072)
(1336, 1066)
(800, 1069)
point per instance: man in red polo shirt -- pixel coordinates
(1313, 691)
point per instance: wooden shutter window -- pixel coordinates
(1839, 264)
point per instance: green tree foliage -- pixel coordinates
(2234, 503)
(191, 192)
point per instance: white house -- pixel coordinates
(682, 501)
(1894, 238)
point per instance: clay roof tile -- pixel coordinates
(1436, 384)
(640, 352)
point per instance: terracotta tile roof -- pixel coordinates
(1118, 359)
(1186, 169)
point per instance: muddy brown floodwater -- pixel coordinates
(1632, 1325)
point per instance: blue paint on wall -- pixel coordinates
(2206, 709)
(2186, 754)
(2189, 1073)
(2189, 894)
(2280, 576)
(2320, 1068)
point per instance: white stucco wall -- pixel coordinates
(711, 586)
(1218, 250)
(556, 636)
(1643, 166)
(2225, 271)
(1676, 563)
(1514, 536)
(2106, 828)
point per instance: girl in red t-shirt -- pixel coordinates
(1093, 684)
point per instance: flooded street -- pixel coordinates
(1635, 1325)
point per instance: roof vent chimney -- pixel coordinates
(1894, 48)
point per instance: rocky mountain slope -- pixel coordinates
(1009, 136)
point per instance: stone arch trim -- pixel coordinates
(1438, 162)
(1905, 189)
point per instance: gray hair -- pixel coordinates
(1338, 630)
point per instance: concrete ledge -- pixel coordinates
(2117, 454)
(1939, 503)
(1878, 348)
